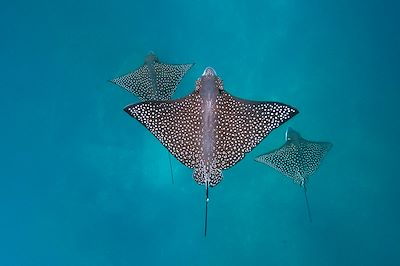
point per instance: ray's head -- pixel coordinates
(209, 82)
(209, 72)
(150, 58)
(291, 134)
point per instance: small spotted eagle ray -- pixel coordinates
(154, 81)
(210, 130)
(298, 159)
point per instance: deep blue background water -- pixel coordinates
(82, 183)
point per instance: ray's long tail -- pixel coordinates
(307, 204)
(205, 219)
(170, 167)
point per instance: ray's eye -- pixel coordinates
(198, 85)
(219, 84)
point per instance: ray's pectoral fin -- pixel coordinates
(168, 77)
(283, 160)
(176, 124)
(243, 124)
(137, 82)
(312, 154)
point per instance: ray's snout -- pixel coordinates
(209, 71)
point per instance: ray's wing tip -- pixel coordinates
(291, 112)
(134, 108)
(126, 108)
(129, 107)
(113, 81)
(189, 66)
(258, 159)
(295, 110)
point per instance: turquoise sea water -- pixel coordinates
(82, 183)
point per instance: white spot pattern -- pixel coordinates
(138, 82)
(154, 80)
(168, 77)
(214, 176)
(242, 124)
(238, 126)
(297, 158)
(176, 124)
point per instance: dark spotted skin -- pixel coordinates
(210, 130)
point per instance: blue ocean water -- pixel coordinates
(82, 183)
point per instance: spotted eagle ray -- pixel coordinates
(210, 130)
(298, 159)
(154, 81)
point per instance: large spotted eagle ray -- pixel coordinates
(210, 130)
(154, 81)
(298, 158)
